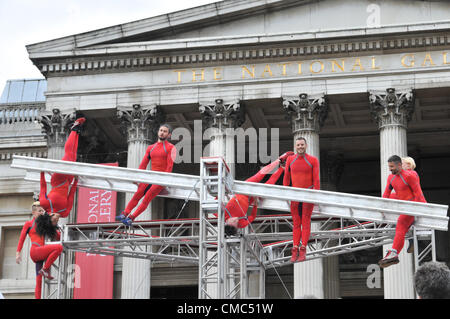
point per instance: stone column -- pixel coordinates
(141, 126)
(219, 121)
(331, 171)
(307, 115)
(392, 110)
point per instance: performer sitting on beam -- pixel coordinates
(161, 156)
(302, 170)
(236, 209)
(60, 199)
(42, 225)
(407, 187)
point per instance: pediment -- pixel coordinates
(243, 18)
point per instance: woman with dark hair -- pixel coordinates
(44, 256)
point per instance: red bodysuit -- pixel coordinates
(303, 172)
(39, 252)
(162, 156)
(394, 195)
(238, 205)
(407, 187)
(60, 199)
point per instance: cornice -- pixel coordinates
(144, 57)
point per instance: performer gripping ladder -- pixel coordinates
(162, 155)
(302, 170)
(407, 187)
(60, 199)
(236, 209)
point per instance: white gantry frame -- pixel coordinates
(348, 223)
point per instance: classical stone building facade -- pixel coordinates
(361, 80)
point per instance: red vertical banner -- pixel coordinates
(94, 273)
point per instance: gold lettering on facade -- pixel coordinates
(299, 67)
(335, 63)
(358, 64)
(322, 66)
(201, 75)
(179, 75)
(444, 56)
(267, 70)
(218, 74)
(284, 65)
(410, 62)
(374, 67)
(251, 73)
(428, 59)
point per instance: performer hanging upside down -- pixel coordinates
(236, 209)
(162, 155)
(407, 187)
(302, 170)
(60, 199)
(44, 256)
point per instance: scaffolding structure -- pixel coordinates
(348, 223)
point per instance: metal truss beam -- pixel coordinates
(343, 205)
(225, 263)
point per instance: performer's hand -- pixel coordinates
(18, 258)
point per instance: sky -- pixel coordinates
(24, 22)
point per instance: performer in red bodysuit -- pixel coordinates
(43, 255)
(407, 187)
(60, 199)
(162, 155)
(302, 170)
(236, 209)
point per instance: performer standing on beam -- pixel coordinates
(407, 187)
(236, 209)
(42, 225)
(302, 170)
(162, 154)
(408, 164)
(60, 199)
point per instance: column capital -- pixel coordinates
(55, 126)
(222, 114)
(392, 108)
(306, 113)
(141, 123)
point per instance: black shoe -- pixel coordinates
(410, 249)
(390, 259)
